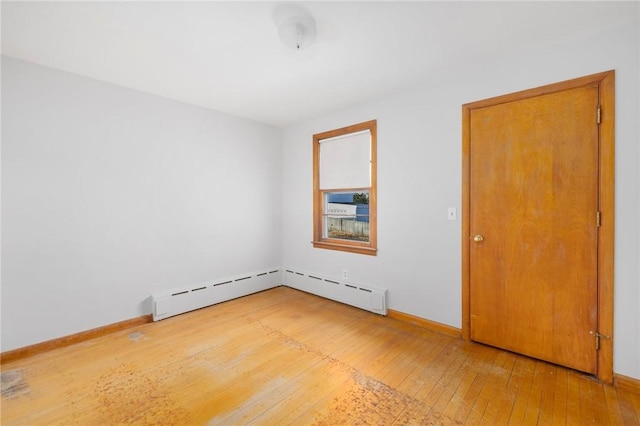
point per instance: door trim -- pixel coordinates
(606, 84)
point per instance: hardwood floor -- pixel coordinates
(286, 357)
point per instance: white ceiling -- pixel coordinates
(227, 55)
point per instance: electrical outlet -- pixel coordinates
(345, 274)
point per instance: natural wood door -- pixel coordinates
(533, 204)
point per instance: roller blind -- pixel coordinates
(345, 161)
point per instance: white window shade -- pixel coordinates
(345, 161)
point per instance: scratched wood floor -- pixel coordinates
(285, 357)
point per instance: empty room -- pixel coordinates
(331, 213)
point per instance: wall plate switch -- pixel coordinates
(451, 213)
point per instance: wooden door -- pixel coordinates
(533, 218)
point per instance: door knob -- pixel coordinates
(478, 238)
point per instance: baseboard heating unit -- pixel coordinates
(180, 300)
(363, 297)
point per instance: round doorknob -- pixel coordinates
(478, 238)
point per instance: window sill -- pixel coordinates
(346, 247)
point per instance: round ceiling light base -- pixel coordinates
(298, 32)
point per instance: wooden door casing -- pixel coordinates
(528, 222)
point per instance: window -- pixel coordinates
(344, 189)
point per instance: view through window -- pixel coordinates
(345, 189)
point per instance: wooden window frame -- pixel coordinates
(370, 247)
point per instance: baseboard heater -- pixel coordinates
(363, 297)
(180, 300)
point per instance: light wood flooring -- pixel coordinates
(285, 357)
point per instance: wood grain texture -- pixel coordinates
(465, 234)
(605, 85)
(49, 345)
(286, 357)
(534, 195)
(628, 384)
(607, 228)
(425, 323)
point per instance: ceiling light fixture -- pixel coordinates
(298, 31)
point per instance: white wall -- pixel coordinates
(419, 164)
(109, 195)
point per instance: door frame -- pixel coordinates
(605, 81)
